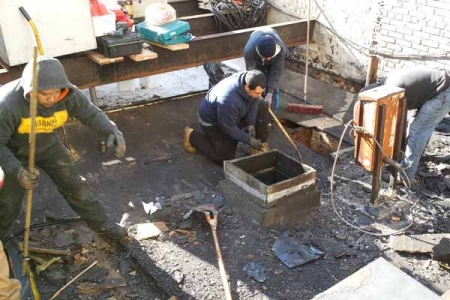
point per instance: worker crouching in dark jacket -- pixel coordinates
(265, 51)
(227, 116)
(57, 100)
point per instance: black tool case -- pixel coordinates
(114, 46)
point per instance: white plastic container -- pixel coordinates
(139, 8)
(64, 27)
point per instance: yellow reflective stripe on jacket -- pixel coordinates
(44, 124)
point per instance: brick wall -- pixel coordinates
(353, 20)
(403, 32)
(411, 28)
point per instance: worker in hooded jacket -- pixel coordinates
(57, 100)
(266, 52)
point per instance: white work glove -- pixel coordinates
(116, 139)
(2, 177)
(268, 99)
(26, 179)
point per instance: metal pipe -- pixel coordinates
(305, 87)
(223, 274)
(33, 27)
(31, 162)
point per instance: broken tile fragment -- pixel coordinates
(150, 230)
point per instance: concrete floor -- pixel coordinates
(161, 168)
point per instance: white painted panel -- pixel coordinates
(65, 27)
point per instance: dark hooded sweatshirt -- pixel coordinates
(272, 68)
(420, 83)
(226, 104)
(15, 113)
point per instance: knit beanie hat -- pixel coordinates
(266, 46)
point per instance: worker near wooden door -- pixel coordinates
(9, 288)
(57, 100)
(427, 95)
(227, 116)
(266, 52)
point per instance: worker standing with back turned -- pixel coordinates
(266, 52)
(57, 100)
(227, 116)
(427, 92)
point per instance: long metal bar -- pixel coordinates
(212, 221)
(203, 24)
(32, 142)
(215, 47)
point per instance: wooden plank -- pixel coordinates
(101, 59)
(421, 243)
(144, 55)
(35, 247)
(371, 76)
(176, 47)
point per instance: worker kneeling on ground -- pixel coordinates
(227, 116)
(57, 100)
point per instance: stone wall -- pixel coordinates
(414, 32)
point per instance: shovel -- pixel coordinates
(211, 215)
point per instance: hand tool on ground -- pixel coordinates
(75, 156)
(72, 280)
(211, 215)
(32, 141)
(285, 133)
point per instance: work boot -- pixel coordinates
(113, 232)
(254, 151)
(187, 144)
(401, 181)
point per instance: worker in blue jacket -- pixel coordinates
(57, 100)
(265, 51)
(227, 116)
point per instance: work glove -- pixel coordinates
(268, 99)
(26, 179)
(116, 139)
(256, 144)
(250, 129)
